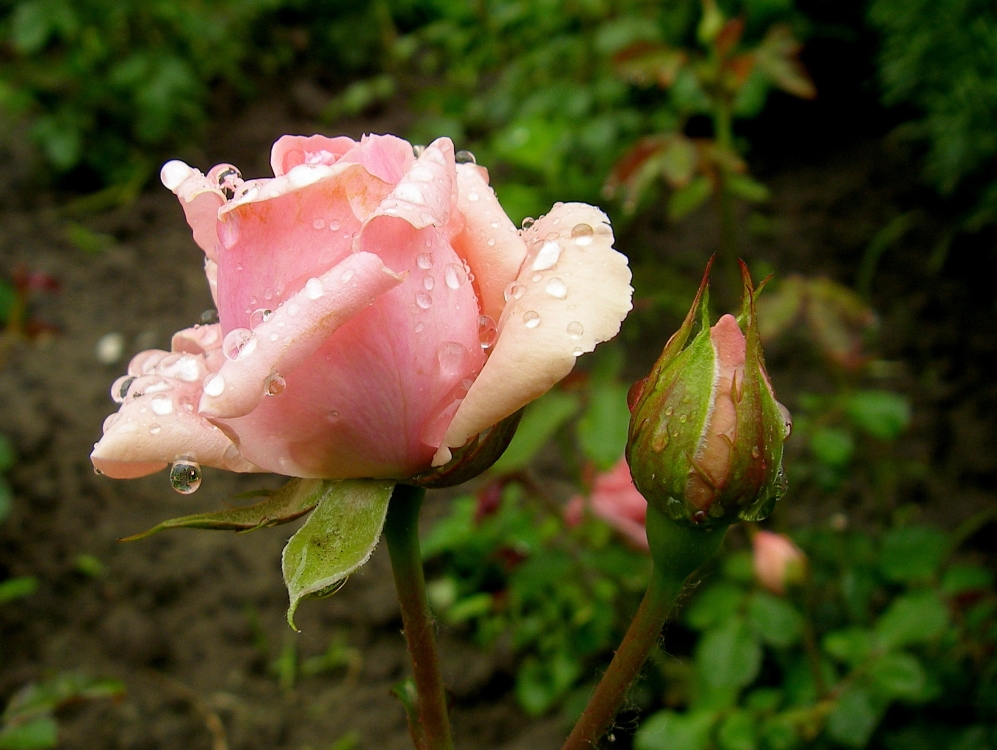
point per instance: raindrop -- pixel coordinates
(155, 429)
(465, 157)
(556, 288)
(424, 300)
(319, 224)
(548, 256)
(214, 384)
(292, 311)
(660, 441)
(260, 315)
(332, 416)
(268, 293)
(174, 173)
(669, 411)
(347, 275)
(575, 329)
(531, 318)
(755, 453)
(110, 421)
(424, 261)
(454, 275)
(487, 331)
(119, 391)
(334, 226)
(582, 234)
(577, 351)
(452, 357)
(536, 277)
(674, 508)
(419, 327)
(185, 476)
(239, 342)
(473, 196)
(528, 222)
(515, 290)
(162, 405)
(209, 317)
(491, 242)
(787, 420)
(428, 282)
(313, 288)
(274, 384)
(699, 516)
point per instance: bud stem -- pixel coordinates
(401, 531)
(678, 551)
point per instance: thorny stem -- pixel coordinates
(678, 551)
(401, 530)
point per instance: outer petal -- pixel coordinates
(387, 157)
(291, 150)
(200, 201)
(489, 241)
(422, 196)
(294, 332)
(572, 292)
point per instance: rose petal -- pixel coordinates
(200, 201)
(489, 241)
(294, 332)
(291, 150)
(387, 157)
(422, 196)
(575, 292)
(197, 339)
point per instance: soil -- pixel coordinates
(190, 622)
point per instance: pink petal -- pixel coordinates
(294, 332)
(291, 150)
(198, 339)
(422, 196)
(200, 201)
(387, 157)
(489, 241)
(572, 292)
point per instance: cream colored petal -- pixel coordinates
(489, 241)
(572, 292)
(200, 201)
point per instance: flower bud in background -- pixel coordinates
(777, 561)
(706, 433)
(616, 501)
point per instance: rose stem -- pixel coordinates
(678, 551)
(401, 530)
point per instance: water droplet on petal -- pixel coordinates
(208, 317)
(334, 226)
(319, 224)
(260, 315)
(119, 390)
(155, 429)
(548, 256)
(424, 261)
(473, 196)
(755, 453)
(487, 331)
(214, 384)
(454, 275)
(417, 150)
(428, 282)
(528, 222)
(577, 351)
(699, 516)
(174, 173)
(531, 318)
(274, 384)
(491, 242)
(575, 329)
(162, 405)
(515, 290)
(582, 234)
(452, 357)
(556, 288)
(424, 300)
(239, 342)
(313, 288)
(465, 157)
(419, 327)
(347, 275)
(185, 476)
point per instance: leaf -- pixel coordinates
(832, 446)
(854, 718)
(542, 419)
(738, 732)
(882, 414)
(17, 588)
(37, 734)
(687, 199)
(912, 553)
(337, 538)
(539, 685)
(715, 605)
(916, 617)
(729, 655)
(962, 578)
(778, 56)
(668, 730)
(775, 620)
(851, 646)
(603, 427)
(746, 188)
(898, 675)
(291, 501)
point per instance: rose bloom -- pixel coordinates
(616, 501)
(376, 309)
(777, 561)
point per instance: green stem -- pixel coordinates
(678, 551)
(401, 530)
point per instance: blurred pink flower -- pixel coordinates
(616, 501)
(375, 310)
(777, 561)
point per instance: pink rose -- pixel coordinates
(777, 561)
(616, 501)
(376, 309)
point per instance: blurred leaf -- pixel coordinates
(687, 199)
(739, 566)
(775, 620)
(738, 732)
(854, 718)
(746, 188)
(714, 605)
(729, 654)
(539, 685)
(6, 499)
(962, 578)
(542, 419)
(882, 414)
(37, 734)
(915, 617)
(41, 698)
(86, 240)
(338, 537)
(668, 730)
(851, 645)
(678, 161)
(8, 457)
(912, 553)
(898, 675)
(17, 588)
(603, 427)
(359, 97)
(474, 606)
(832, 446)
(778, 56)
(646, 63)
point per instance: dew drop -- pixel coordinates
(162, 405)
(313, 288)
(119, 391)
(292, 311)
(185, 476)
(155, 429)
(238, 343)
(528, 222)
(319, 224)
(417, 150)
(260, 315)
(699, 516)
(334, 226)
(582, 234)
(419, 327)
(454, 275)
(755, 453)
(424, 300)
(787, 420)
(491, 242)
(428, 282)
(669, 411)
(575, 329)
(548, 256)
(332, 416)
(716, 510)
(424, 260)
(531, 318)
(577, 351)
(452, 357)
(487, 331)
(473, 197)
(174, 173)
(214, 384)
(556, 288)
(208, 317)
(268, 293)
(674, 508)
(274, 384)
(515, 290)
(465, 157)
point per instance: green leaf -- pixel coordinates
(882, 414)
(37, 734)
(775, 620)
(851, 646)
(8, 456)
(540, 684)
(603, 427)
(17, 588)
(716, 604)
(916, 617)
(854, 718)
(898, 675)
(337, 538)
(738, 732)
(687, 199)
(542, 419)
(961, 578)
(729, 655)
(832, 446)
(6, 499)
(291, 501)
(912, 553)
(668, 730)
(745, 188)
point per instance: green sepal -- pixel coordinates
(291, 501)
(338, 537)
(472, 459)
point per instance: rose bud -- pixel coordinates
(616, 501)
(378, 313)
(706, 432)
(777, 561)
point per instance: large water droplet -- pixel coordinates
(577, 351)
(428, 282)
(675, 509)
(185, 476)
(424, 300)
(575, 329)
(209, 317)
(787, 420)
(214, 384)
(424, 261)
(556, 288)
(454, 275)
(274, 384)
(259, 315)
(582, 234)
(313, 288)
(452, 357)
(487, 331)
(174, 173)
(531, 319)
(515, 290)
(465, 157)
(239, 342)
(119, 390)
(162, 405)
(548, 256)
(528, 222)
